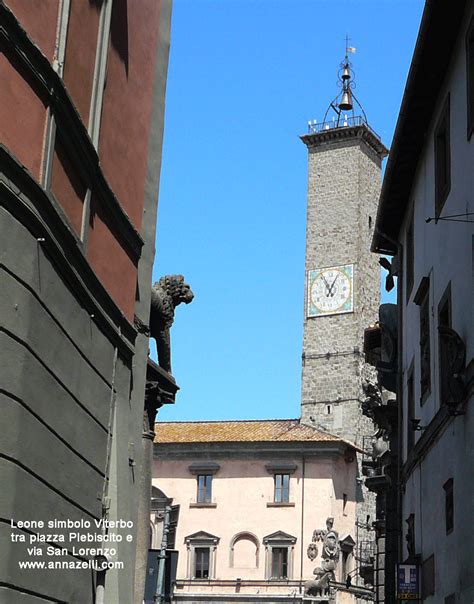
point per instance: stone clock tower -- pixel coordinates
(342, 280)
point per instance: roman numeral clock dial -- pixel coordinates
(330, 290)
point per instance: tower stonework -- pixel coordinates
(342, 294)
(342, 275)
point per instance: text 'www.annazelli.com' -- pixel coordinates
(70, 565)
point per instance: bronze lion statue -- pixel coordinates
(166, 295)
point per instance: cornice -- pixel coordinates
(344, 134)
(441, 24)
(71, 129)
(249, 450)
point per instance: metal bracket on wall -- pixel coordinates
(465, 217)
(131, 455)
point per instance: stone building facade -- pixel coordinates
(425, 222)
(81, 121)
(344, 177)
(342, 294)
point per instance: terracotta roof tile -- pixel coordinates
(290, 430)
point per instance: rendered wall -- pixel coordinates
(20, 95)
(80, 58)
(128, 101)
(243, 491)
(443, 252)
(39, 19)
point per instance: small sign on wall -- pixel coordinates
(408, 582)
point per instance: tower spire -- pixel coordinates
(345, 109)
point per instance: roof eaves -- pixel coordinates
(434, 46)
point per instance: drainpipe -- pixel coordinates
(100, 581)
(160, 584)
(143, 521)
(100, 588)
(303, 469)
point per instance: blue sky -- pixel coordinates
(245, 76)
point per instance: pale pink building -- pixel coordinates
(252, 500)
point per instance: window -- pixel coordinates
(444, 320)
(449, 505)
(281, 472)
(347, 547)
(201, 549)
(279, 549)
(442, 159)
(470, 78)
(204, 488)
(422, 299)
(428, 577)
(425, 357)
(411, 410)
(279, 563)
(344, 565)
(282, 488)
(201, 562)
(410, 255)
(204, 472)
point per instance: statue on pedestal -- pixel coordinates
(166, 295)
(330, 556)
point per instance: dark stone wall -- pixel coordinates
(61, 379)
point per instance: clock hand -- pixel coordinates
(330, 289)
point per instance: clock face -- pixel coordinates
(330, 290)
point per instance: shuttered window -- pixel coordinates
(201, 560)
(470, 78)
(280, 563)
(442, 148)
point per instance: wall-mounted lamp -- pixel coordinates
(415, 425)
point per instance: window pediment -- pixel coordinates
(281, 467)
(202, 537)
(204, 467)
(279, 537)
(347, 543)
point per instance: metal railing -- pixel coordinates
(343, 121)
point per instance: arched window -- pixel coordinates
(244, 551)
